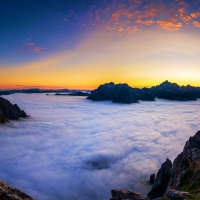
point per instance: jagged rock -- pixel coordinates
(11, 111)
(161, 181)
(182, 181)
(175, 194)
(152, 178)
(186, 168)
(9, 193)
(126, 195)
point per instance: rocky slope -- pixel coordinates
(180, 180)
(9, 193)
(8, 111)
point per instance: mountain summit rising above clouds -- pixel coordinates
(123, 93)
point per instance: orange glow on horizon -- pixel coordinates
(156, 56)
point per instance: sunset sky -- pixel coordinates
(81, 44)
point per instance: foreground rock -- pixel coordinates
(180, 180)
(126, 195)
(8, 111)
(9, 193)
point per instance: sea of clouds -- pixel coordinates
(74, 148)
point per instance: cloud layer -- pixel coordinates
(73, 148)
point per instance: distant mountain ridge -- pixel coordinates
(123, 93)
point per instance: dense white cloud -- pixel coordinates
(73, 148)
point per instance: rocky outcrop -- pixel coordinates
(8, 111)
(126, 195)
(161, 181)
(182, 179)
(120, 93)
(9, 193)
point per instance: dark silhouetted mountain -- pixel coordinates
(120, 93)
(173, 91)
(10, 111)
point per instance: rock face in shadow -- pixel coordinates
(161, 181)
(126, 194)
(9, 111)
(9, 193)
(120, 93)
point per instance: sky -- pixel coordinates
(73, 148)
(82, 44)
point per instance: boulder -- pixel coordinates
(161, 181)
(126, 195)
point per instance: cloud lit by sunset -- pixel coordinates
(82, 44)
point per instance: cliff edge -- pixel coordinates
(180, 180)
